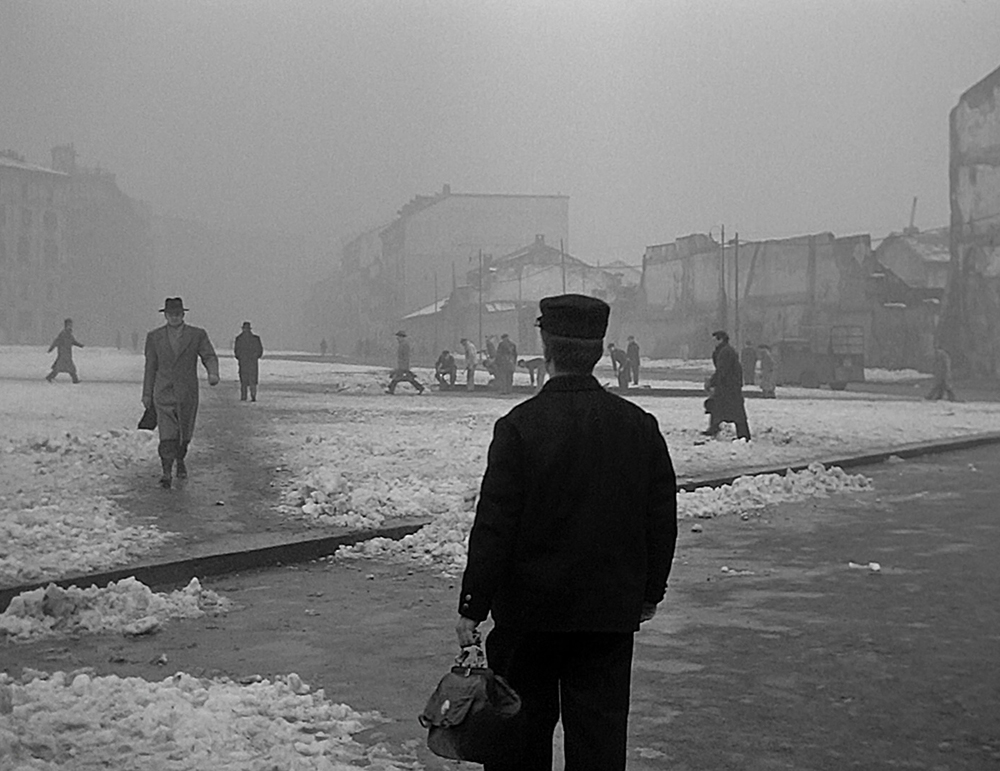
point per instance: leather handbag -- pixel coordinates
(473, 713)
(148, 420)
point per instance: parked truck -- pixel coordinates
(833, 356)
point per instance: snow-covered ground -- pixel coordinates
(354, 456)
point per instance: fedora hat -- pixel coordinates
(401, 333)
(173, 305)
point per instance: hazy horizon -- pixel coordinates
(657, 119)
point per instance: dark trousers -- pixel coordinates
(941, 388)
(403, 376)
(634, 370)
(446, 378)
(584, 677)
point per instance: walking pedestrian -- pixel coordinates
(402, 373)
(63, 345)
(619, 363)
(471, 359)
(445, 370)
(322, 347)
(632, 354)
(725, 402)
(170, 383)
(748, 361)
(571, 547)
(768, 371)
(942, 376)
(506, 362)
(248, 350)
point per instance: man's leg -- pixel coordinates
(167, 450)
(525, 662)
(253, 392)
(182, 449)
(243, 391)
(470, 378)
(635, 374)
(72, 373)
(595, 679)
(742, 426)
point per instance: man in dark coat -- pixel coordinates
(632, 354)
(63, 345)
(402, 372)
(748, 361)
(248, 350)
(170, 383)
(725, 403)
(571, 547)
(942, 376)
(506, 362)
(445, 370)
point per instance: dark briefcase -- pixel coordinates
(473, 713)
(148, 420)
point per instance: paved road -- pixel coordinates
(791, 660)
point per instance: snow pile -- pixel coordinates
(364, 501)
(749, 493)
(128, 607)
(444, 542)
(116, 447)
(77, 720)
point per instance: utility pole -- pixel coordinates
(480, 299)
(723, 300)
(435, 311)
(736, 296)
(562, 264)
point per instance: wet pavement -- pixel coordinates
(789, 659)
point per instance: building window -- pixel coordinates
(51, 252)
(23, 249)
(49, 221)
(26, 218)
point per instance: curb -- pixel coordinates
(182, 571)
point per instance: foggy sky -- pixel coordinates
(658, 119)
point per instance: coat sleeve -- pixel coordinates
(149, 374)
(207, 354)
(491, 542)
(661, 517)
(260, 347)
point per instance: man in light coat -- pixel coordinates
(471, 359)
(170, 383)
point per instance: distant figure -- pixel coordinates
(491, 346)
(619, 363)
(402, 372)
(471, 359)
(322, 347)
(170, 383)
(445, 370)
(725, 401)
(632, 354)
(942, 376)
(536, 370)
(247, 349)
(118, 340)
(768, 371)
(135, 341)
(64, 343)
(748, 361)
(506, 362)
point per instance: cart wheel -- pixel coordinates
(838, 386)
(808, 379)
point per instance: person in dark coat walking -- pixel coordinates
(63, 345)
(942, 376)
(632, 354)
(170, 383)
(725, 402)
(248, 350)
(748, 361)
(571, 547)
(402, 372)
(506, 362)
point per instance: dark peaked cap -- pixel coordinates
(574, 315)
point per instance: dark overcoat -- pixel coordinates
(248, 349)
(726, 401)
(63, 344)
(577, 516)
(171, 379)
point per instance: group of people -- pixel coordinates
(625, 363)
(500, 361)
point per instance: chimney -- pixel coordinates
(64, 159)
